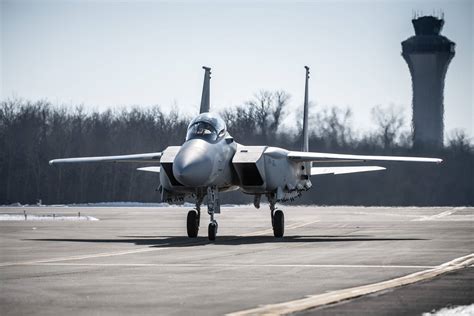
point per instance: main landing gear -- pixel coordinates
(194, 219)
(192, 223)
(278, 218)
(278, 223)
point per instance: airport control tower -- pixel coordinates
(428, 55)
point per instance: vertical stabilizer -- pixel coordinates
(305, 113)
(205, 98)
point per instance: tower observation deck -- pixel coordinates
(428, 55)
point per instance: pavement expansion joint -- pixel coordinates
(314, 301)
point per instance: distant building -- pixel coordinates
(428, 55)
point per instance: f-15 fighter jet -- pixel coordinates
(211, 162)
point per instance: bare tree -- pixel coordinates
(459, 140)
(390, 121)
(258, 119)
(280, 100)
(31, 133)
(333, 125)
(262, 104)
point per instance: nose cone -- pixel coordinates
(193, 164)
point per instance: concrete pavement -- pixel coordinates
(137, 260)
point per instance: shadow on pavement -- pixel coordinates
(180, 241)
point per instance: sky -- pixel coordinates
(121, 53)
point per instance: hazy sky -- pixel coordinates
(116, 53)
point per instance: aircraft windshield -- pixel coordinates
(206, 126)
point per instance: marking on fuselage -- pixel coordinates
(314, 301)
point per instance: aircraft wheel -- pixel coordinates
(192, 224)
(278, 224)
(212, 231)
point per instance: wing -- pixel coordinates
(150, 169)
(148, 157)
(328, 157)
(343, 170)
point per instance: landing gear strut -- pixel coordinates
(213, 207)
(278, 218)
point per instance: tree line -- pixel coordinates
(32, 133)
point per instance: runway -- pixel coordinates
(137, 260)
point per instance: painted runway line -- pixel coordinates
(147, 249)
(270, 231)
(236, 265)
(97, 255)
(314, 301)
(386, 214)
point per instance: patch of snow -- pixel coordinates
(143, 204)
(120, 204)
(467, 310)
(29, 217)
(15, 204)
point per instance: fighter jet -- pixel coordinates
(211, 162)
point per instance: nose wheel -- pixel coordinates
(213, 207)
(212, 230)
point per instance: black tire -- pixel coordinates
(212, 231)
(192, 224)
(278, 224)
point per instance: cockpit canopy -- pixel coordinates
(207, 126)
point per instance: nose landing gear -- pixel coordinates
(213, 207)
(212, 230)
